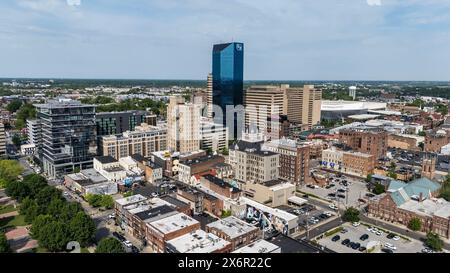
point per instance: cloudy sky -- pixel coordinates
(172, 39)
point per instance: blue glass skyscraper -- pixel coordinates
(228, 79)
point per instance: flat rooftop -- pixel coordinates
(173, 223)
(429, 207)
(106, 159)
(276, 212)
(198, 242)
(131, 199)
(232, 226)
(260, 246)
(159, 211)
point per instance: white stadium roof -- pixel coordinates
(341, 105)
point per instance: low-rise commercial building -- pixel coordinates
(271, 193)
(220, 187)
(234, 230)
(259, 247)
(351, 163)
(169, 161)
(89, 181)
(199, 165)
(198, 242)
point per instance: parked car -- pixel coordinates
(345, 242)
(379, 233)
(112, 216)
(390, 246)
(344, 230)
(118, 236)
(333, 207)
(387, 250)
(362, 249)
(127, 243)
(341, 196)
(336, 238)
(356, 224)
(364, 237)
(356, 246)
(396, 238)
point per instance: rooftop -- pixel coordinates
(277, 212)
(131, 199)
(221, 183)
(200, 160)
(232, 226)
(155, 212)
(106, 159)
(260, 246)
(198, 242)
(173, 223)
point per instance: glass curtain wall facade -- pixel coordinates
(68, 136)
(228, 81)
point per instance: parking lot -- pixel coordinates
(309, 215)
(354, 234)
(338, 193)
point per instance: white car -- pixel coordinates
(356, 224)
(154, 194)
(333, 207)
(390, 246)
(65, 193)
(369, 229)
(127, 243)
(396, 238)
(328, 213)
(111, 216)
(379, 233)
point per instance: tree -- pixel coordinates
(35, 183)
(38, 224)
(109, 245)
(107, 202)
(27, 111)
(225, 151)
(82, 229)
(10, 170)
(392, 175)
(421, 145)
(14, 105)
(378, 189)
(17, 190)
(94, 200)
(351, 215)
(69, 211)
(29, 209)
(434, 241)
(45, 196)
(226, 213)
(415, 224)
(4, 245)
(54, 236)
(422, 133)
(369, 178)
(16, 140)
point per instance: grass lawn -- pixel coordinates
(6, 209)
(16, 221)
(40, 250)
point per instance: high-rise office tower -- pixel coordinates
(303, 105)
(228, 84)
(261, 103)
(2, 141)
(68, 136)
(183, 125)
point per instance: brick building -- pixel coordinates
(221, 187)
(234, 230)
(352, 163)
(195, 166)
(403, 142)
(416, 199)
(435, 140)
(374, 141)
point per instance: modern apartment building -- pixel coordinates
(369, 141)
(34, 131)
(144, 140)
(294, 159)
(228, 83)
(214, 136)
(2, 141)
(183, 122)
(69, 138)
(113, 123)
(250, 163)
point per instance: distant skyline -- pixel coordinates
(396, 40)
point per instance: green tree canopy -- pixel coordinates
(351, 215)
(107, 202)
(10, 169)
(94, 200)
(14, 105)
(16, 140)
(415, 224)
(54, 236)
(378, 189)
(4, 245)
(109, 245)
(82, 229)
(38, 224)
(35, 183)
(434, 241)
(29, 209)
(27, 111)
(17, 190)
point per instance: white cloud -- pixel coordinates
(73, 2)
(374, 2)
